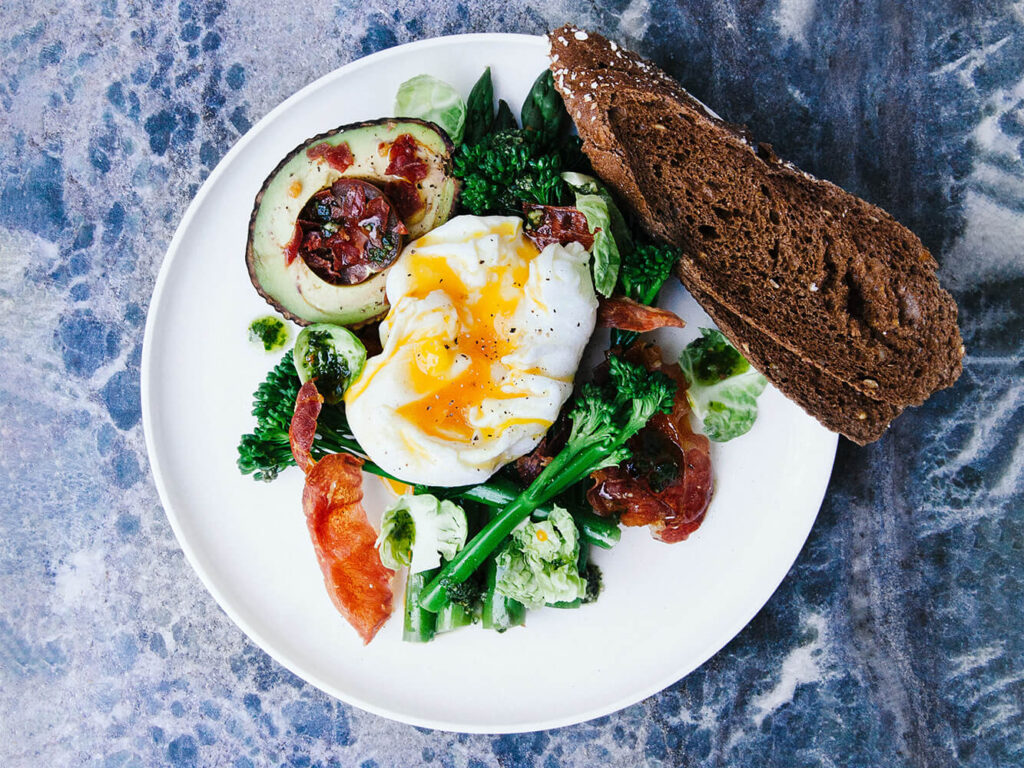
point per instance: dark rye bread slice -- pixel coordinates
(839, 407)
(829, 277)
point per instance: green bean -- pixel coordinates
(419, 623)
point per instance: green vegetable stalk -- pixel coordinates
(420, 625)
(498, 492)
(502, 165)
(504, 120)
(265, 451)
(603, 420)
(480, 110)
(544, 110)
(499, 611)
(506, 169)
(452, 616)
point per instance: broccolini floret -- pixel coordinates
(505, 170)
(265, 451)
(642, 274)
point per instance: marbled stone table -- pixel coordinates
(897, 639)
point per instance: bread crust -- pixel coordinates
(834, 288)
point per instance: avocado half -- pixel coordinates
(281, 276)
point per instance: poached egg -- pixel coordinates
(480, 348)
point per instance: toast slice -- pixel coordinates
(826, 280)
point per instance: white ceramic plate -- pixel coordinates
(665, 609)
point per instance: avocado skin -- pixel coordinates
(350, 305)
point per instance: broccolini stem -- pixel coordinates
(495, 532)
(451, 616)
(622, 339)
(500, 612)
(497, 492)
(420, 625)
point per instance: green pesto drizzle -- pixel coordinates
(268, 331)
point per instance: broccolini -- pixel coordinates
(604, 418)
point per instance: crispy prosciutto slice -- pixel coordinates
(667, 484)
(302, 430)
(358, 583)
(546, 224)
(404, 159)
(628, 315)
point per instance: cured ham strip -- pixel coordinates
(357, 581)
(628, 315)
(548, 224)
(302, 429)
(339, 157)
(406, 199)
(668, 482)
(404, 159)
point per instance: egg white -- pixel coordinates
(481, 346)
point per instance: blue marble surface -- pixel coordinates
(897, 639)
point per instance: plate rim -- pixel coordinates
(159, 287)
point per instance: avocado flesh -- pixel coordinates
(294, 289)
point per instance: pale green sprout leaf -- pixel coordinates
(419, 530)
(722, 387)
(431, 99)
(538, 564)
(605, 251)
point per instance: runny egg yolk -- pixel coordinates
(479, 351)
(452, 376)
